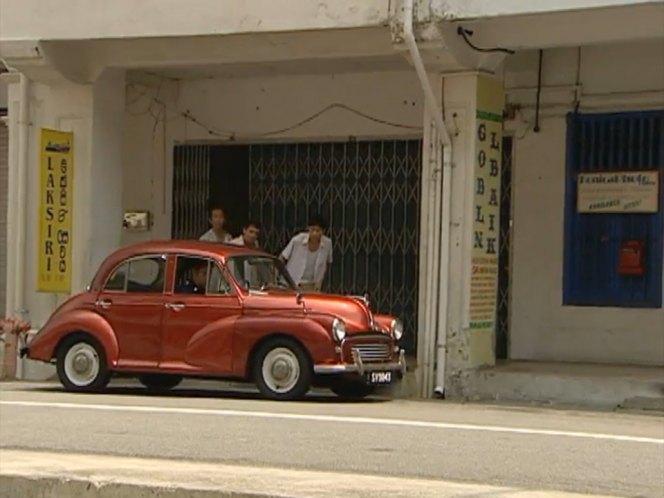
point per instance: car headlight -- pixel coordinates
(339, 329)
(396, 328)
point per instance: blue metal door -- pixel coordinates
(604, 143)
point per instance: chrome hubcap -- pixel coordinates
(281, 370)
(81, 364)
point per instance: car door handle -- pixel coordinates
(103, 303)
(175, 306)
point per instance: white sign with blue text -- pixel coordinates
(618, 192)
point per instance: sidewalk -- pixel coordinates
(47, 475)
(562, 385)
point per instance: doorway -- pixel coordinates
(504, 253)
(368, 191)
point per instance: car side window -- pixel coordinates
(194, 275)
(217, 283)
(144, 275)
(117, 280)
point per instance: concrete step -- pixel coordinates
(588, 385)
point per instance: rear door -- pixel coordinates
(132, 301)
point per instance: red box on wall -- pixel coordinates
(631, 260)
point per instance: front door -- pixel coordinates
(132, 302)
(199, 321)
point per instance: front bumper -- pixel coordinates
(359, 367)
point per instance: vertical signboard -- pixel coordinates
(55, 211)
(486, 206)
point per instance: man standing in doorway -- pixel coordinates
(250, 232)
(308, 255)
(217, 233)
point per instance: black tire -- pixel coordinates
(159, 382)
(93, 352)
(301, 382)
(352, 389)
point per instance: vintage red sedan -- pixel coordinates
(163, 311)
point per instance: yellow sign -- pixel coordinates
(486, 207)
(618, 192)
(55, 211)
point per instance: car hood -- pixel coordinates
(353, 311)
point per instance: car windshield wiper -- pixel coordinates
(278, 285)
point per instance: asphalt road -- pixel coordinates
(529, 448)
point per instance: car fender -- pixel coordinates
(44, 346)
(211, 348)
(251, 330)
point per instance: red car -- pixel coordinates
(167, 310)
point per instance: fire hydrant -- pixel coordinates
(11, 330)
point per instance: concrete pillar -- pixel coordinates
(95, 115)
(473, 112)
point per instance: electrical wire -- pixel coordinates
(467, 33)
(233, 135)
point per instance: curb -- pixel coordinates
(52, 487)
(36, 474)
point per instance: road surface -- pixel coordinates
(518, 447)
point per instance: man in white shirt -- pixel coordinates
(308, 255)
(249, 238)
(217, 233)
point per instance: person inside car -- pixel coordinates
(198, 279)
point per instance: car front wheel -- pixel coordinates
(81, 364)
(282, 370)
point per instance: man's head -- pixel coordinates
(199, 273)
(217, 218)
(250, 232)
(316, 227)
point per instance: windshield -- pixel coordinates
(260, 273)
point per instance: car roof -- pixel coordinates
(192, 246)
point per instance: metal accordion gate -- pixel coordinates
(369, 193)
(191, 178)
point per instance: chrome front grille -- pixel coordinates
(372, 352)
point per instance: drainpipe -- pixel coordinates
(440, 245)
(22, 202)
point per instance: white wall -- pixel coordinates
(473, 9)
(95, 114)
(93, 19)
(249, 108)
(541, 328)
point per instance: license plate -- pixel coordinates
(379, 377)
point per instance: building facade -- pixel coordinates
(444, 141)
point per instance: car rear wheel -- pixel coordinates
(282, 370)
(159, 382)
(352, 389)
(81, 364)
